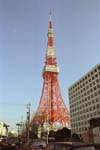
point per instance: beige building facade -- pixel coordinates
(3, 129)
(84, 100)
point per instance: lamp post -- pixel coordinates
(48, 130)
(28, 121)
(8, 129)
(18, 124)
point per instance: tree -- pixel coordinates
(63, 134)
(75, 137)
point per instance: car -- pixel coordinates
(70, 146)
(97, 146)
(40, 147)
(38, 144)
(12, 142)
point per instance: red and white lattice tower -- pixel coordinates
(52, 108)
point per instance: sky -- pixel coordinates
(23, 44)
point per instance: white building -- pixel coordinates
(3, 129)
(84, 99)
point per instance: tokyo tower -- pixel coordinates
(51, 108)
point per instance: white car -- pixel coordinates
(38, 144)
(70, 146)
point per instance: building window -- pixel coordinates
(86, 104)
(97, 106)
(93, 107)
(85, 128)
(91, 73)
(91, 90)
(87, 92)
(87, 110)
(96, 75)
(96, 99)
(95, 70)
(87, 115)
(94, 83)
(84, 116)
(98, 86)
(89, 80)
(86, 82)
(97, 80)
(89, 103)
(91, 95)
(99, 92)
(98, 67)
(90, 109)
(90, 85)
(95, 113)
(84, 94)
(96, 93)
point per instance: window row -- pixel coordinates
(80, 105)
(79, 123)
(80, 129)
(85, 110)
(87, 76)
(84, 87)
(81, 99)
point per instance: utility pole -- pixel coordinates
(28, 120)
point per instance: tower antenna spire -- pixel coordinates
(50, 13)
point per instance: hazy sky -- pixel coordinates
(23, 44)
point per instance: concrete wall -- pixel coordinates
(96, 134)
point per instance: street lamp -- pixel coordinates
(28, 121)
(18, 124)
(8, 129)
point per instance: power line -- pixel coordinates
(2, 103)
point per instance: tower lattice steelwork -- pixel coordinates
(51, 108)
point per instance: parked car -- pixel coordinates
(70, 146)
(97, 146)
(38, 144)
(40, 147)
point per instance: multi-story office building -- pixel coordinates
(84, 99)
